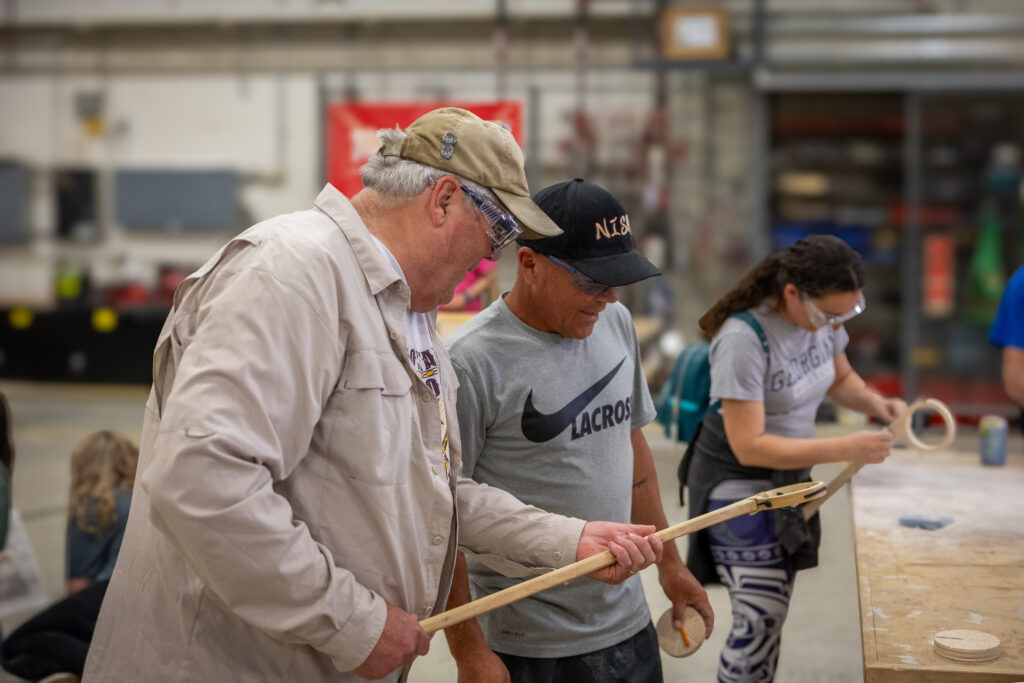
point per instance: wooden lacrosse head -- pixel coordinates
(903, 425)
(789, 496)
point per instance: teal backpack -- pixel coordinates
(685, 397)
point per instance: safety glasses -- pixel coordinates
(581, 281)
(818, 317)
(502, 227)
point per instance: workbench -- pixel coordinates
(914, 583)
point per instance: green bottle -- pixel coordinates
(985, 279)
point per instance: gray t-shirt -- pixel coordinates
(548, 419)
(801, 369)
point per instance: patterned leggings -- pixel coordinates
(759, 578)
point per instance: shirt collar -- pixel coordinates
(378, 270)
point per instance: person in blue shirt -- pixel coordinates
(55, 642)
(1007, 333)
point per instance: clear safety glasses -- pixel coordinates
(581, 281)
(502, 227)
(818, 317)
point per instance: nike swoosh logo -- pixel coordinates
(539, 427)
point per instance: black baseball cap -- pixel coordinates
(596, 237)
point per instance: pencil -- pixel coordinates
(682, 632)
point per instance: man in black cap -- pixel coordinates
(551, 403)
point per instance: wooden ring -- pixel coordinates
(902, 425)
(671, 640)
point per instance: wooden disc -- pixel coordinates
(671, 640)
(966, 645)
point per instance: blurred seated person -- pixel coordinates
(53, 644)
(6, 469)
(469, 293)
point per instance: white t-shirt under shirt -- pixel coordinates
(800, 372)
(422, 357)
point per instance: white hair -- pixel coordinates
(400, 178)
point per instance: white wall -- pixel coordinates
(262, 125)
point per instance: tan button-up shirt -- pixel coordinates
(291, 478)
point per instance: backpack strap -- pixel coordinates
(683, 471)
(749, 319)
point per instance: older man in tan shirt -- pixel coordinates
(298, 502)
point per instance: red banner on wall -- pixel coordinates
(352, 131)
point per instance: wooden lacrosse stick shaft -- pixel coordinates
(901, 427)
(785, 496)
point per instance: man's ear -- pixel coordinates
(443, 194)
(528, 261)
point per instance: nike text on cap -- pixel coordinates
(459, 141)
(596, 238)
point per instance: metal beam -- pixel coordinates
(910, 311)
(769, 80)
(906, 25)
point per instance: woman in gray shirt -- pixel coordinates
(770, 370)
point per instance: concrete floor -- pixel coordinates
(821, 640)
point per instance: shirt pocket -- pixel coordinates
(371, 370)
(372, 420)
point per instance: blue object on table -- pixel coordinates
(928, 522)
(992, 433)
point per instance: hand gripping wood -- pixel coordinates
(785, 496)
(901, 426)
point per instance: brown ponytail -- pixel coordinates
(818, 265)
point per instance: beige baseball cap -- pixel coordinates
(459, 141)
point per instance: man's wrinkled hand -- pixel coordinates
(634, 546)
(682, 588)
(400, 642)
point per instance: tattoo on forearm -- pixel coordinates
(640, 483)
